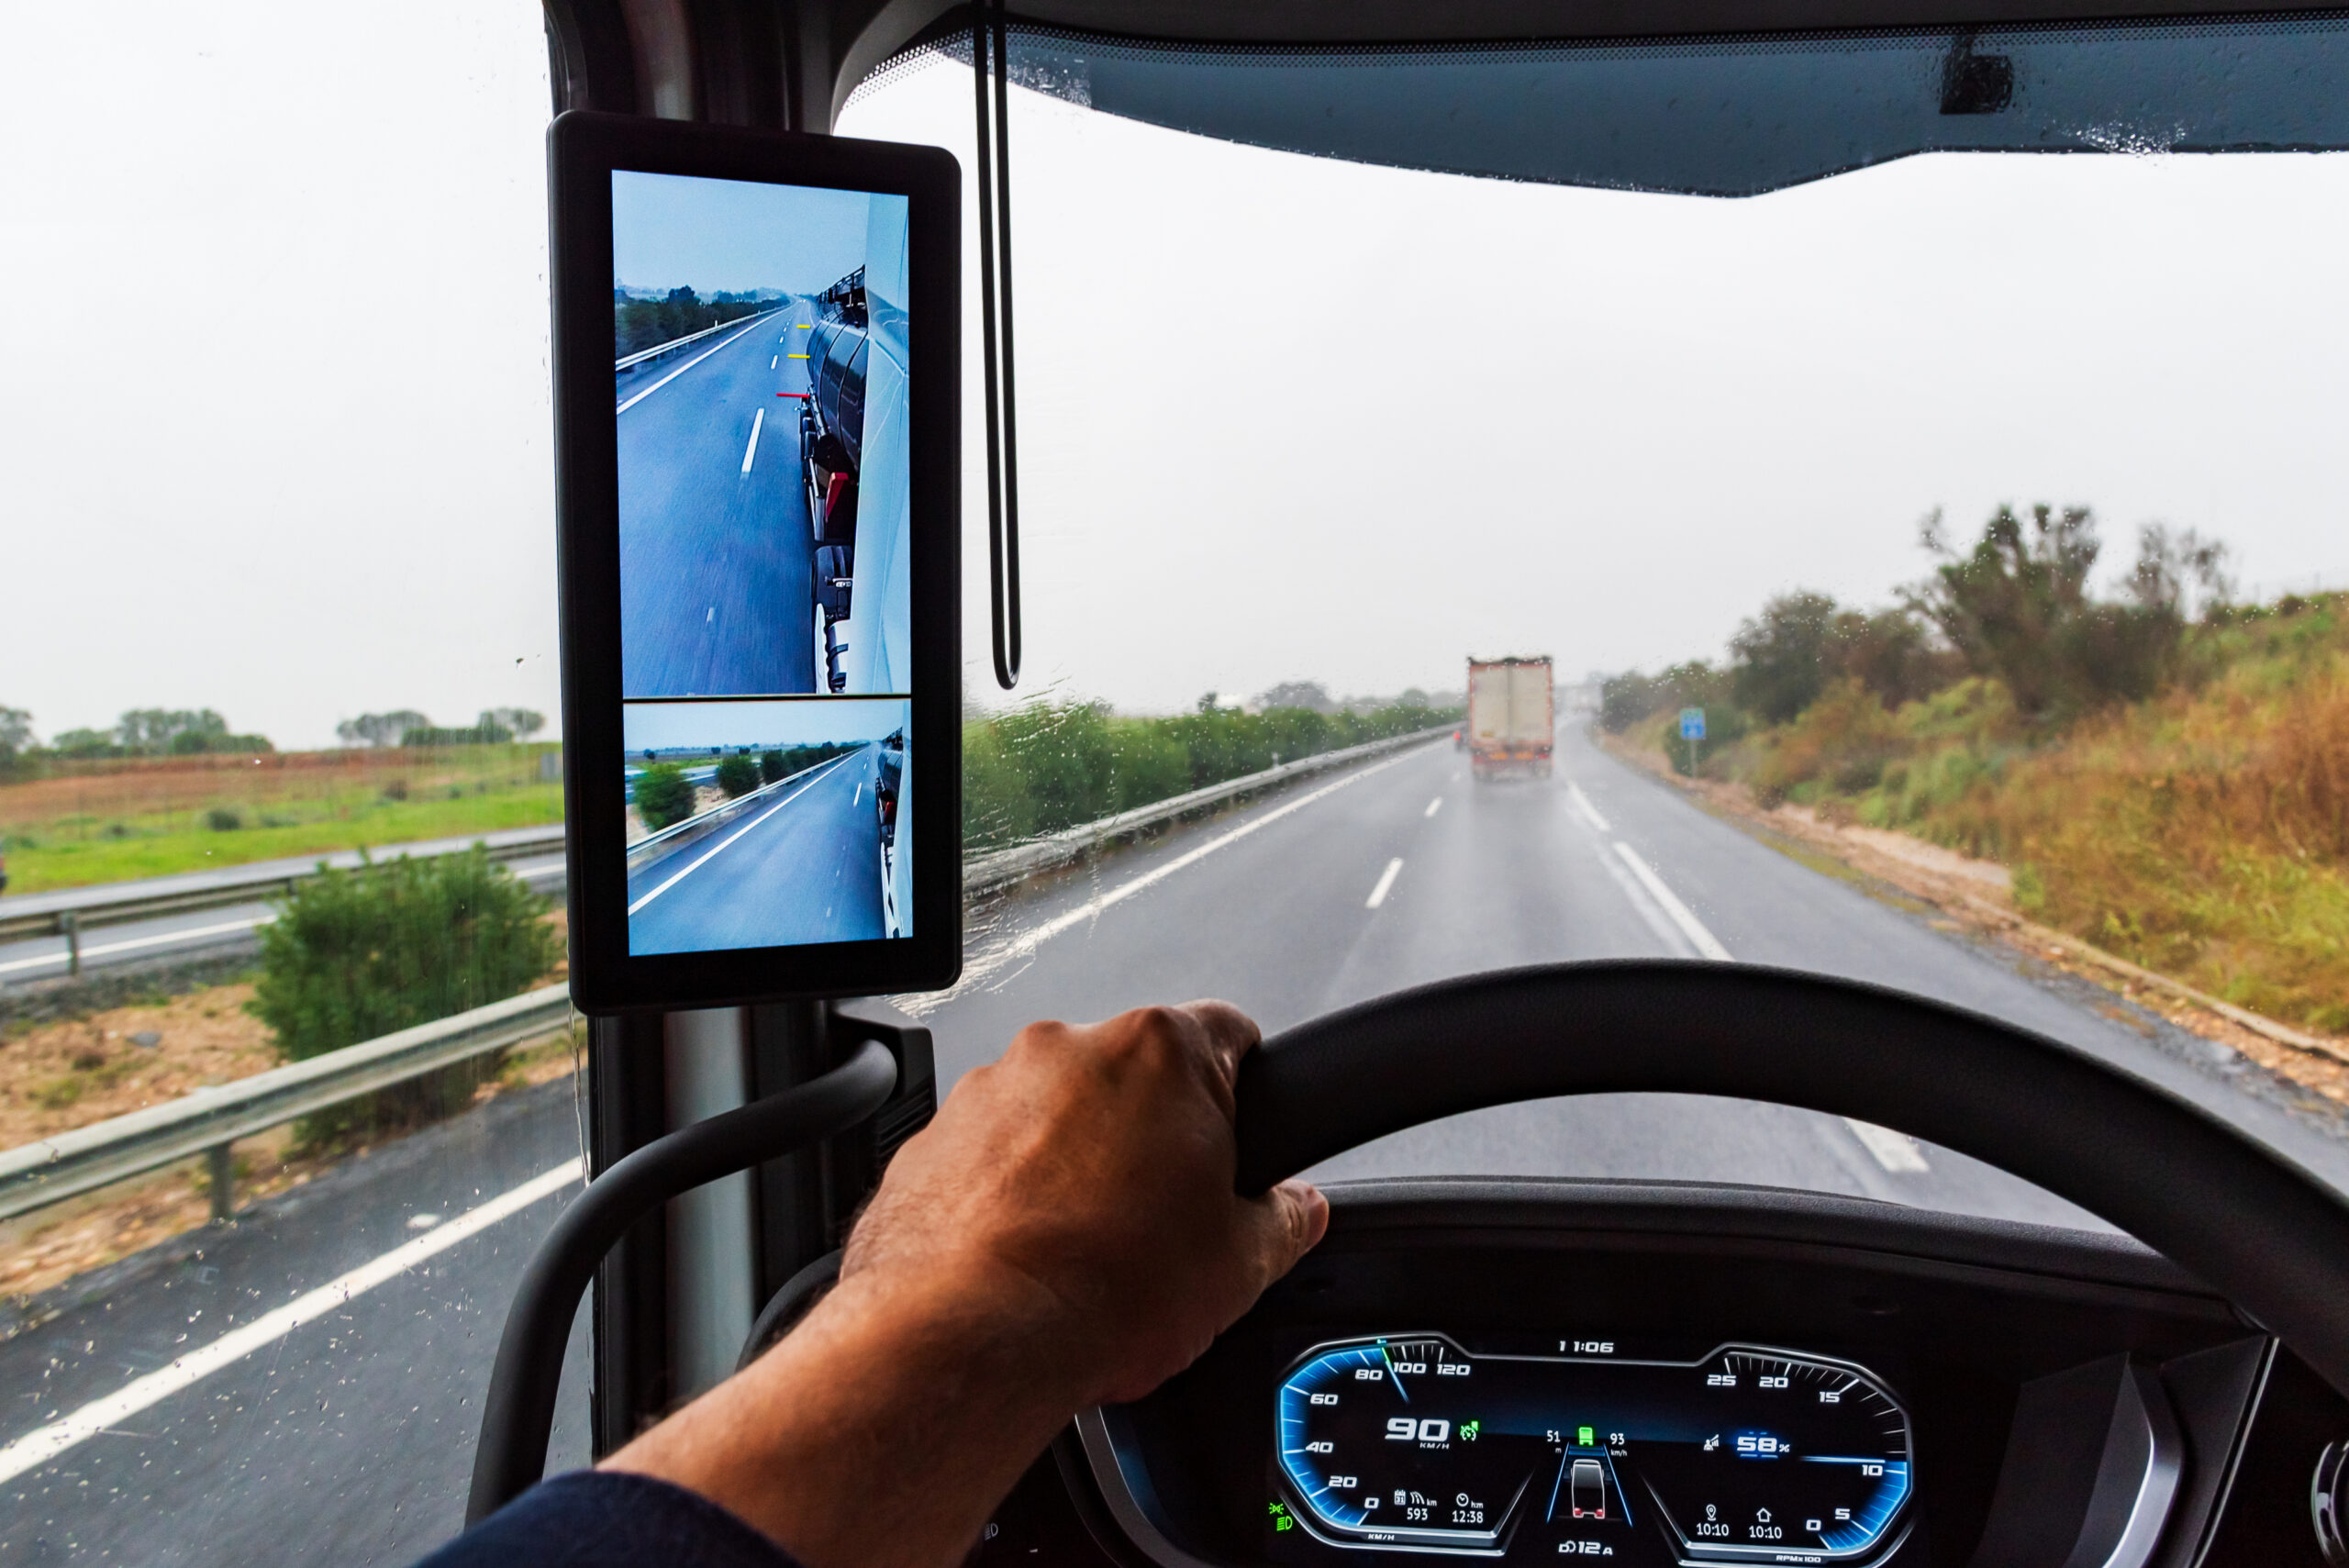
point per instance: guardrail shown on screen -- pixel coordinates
(208, 1121)
(662, 351)
(679, 834)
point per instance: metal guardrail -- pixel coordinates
(674, 344)
(991, 872)
(208, 1120)
(69, 911)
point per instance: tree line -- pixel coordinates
(1046, 765)
(405, 727)
(665, 797)
(193, 732)
(2016, 606)
(140, 732)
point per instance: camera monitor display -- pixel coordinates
(760, 643)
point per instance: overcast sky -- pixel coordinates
(808, 721)
(278, 439)
(733, 234)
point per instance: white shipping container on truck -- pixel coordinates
(1511, 724)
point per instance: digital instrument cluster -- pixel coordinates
(1750, 1453)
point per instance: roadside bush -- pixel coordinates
(771, 766)
(737, 775)
(2016, 606)
(483, 734)
(355, 955)
(1626, 700)
(1725, 726)
(224, 819)
(664, 795)
(1781, 656)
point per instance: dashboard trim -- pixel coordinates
(1572, 1212)
(2092, 1270)
(1110, 1477)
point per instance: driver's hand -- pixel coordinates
(1063, 1234)
(1084, 1182)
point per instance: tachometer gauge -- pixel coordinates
(1799, 1453)
(1749, 1454)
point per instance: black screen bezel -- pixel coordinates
(582, 150)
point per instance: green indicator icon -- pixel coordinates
(1276, 1509)
(1584, 1436)
(1469, 1430)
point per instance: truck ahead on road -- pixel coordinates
(1511, 726)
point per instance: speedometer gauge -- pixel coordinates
(1749, 1454)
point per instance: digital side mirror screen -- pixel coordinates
(755, 347)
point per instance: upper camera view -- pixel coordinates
(760, 374)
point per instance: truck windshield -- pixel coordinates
(1730, 500)
(1768, 533)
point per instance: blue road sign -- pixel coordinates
(1692, 724)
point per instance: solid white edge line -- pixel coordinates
(675, 373)
(1581, 803)
(1893, 1151)
(758, 422)
(1433, 806)
(1385, 881)
(193, 933)
(746, 826)
(1650, 912)
(42, 1444)
(1678, 913)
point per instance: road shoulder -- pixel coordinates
(1964, 900)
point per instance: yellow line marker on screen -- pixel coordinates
(796, 356)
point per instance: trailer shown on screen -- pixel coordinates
(1511, 724)
(831, 445)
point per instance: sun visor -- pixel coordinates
(1725, 115)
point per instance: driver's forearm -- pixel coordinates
(883, 1432)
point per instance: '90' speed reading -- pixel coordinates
(1751, 1454)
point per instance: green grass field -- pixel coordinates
(77, 830)
(166, 853)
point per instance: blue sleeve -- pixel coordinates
(605, 1519)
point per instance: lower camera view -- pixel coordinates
(766, 824)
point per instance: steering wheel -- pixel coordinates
(2256, 1228)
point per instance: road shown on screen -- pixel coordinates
(800, 865)
(349, 1437)
(715, 539)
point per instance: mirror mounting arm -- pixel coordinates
(990, 68)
